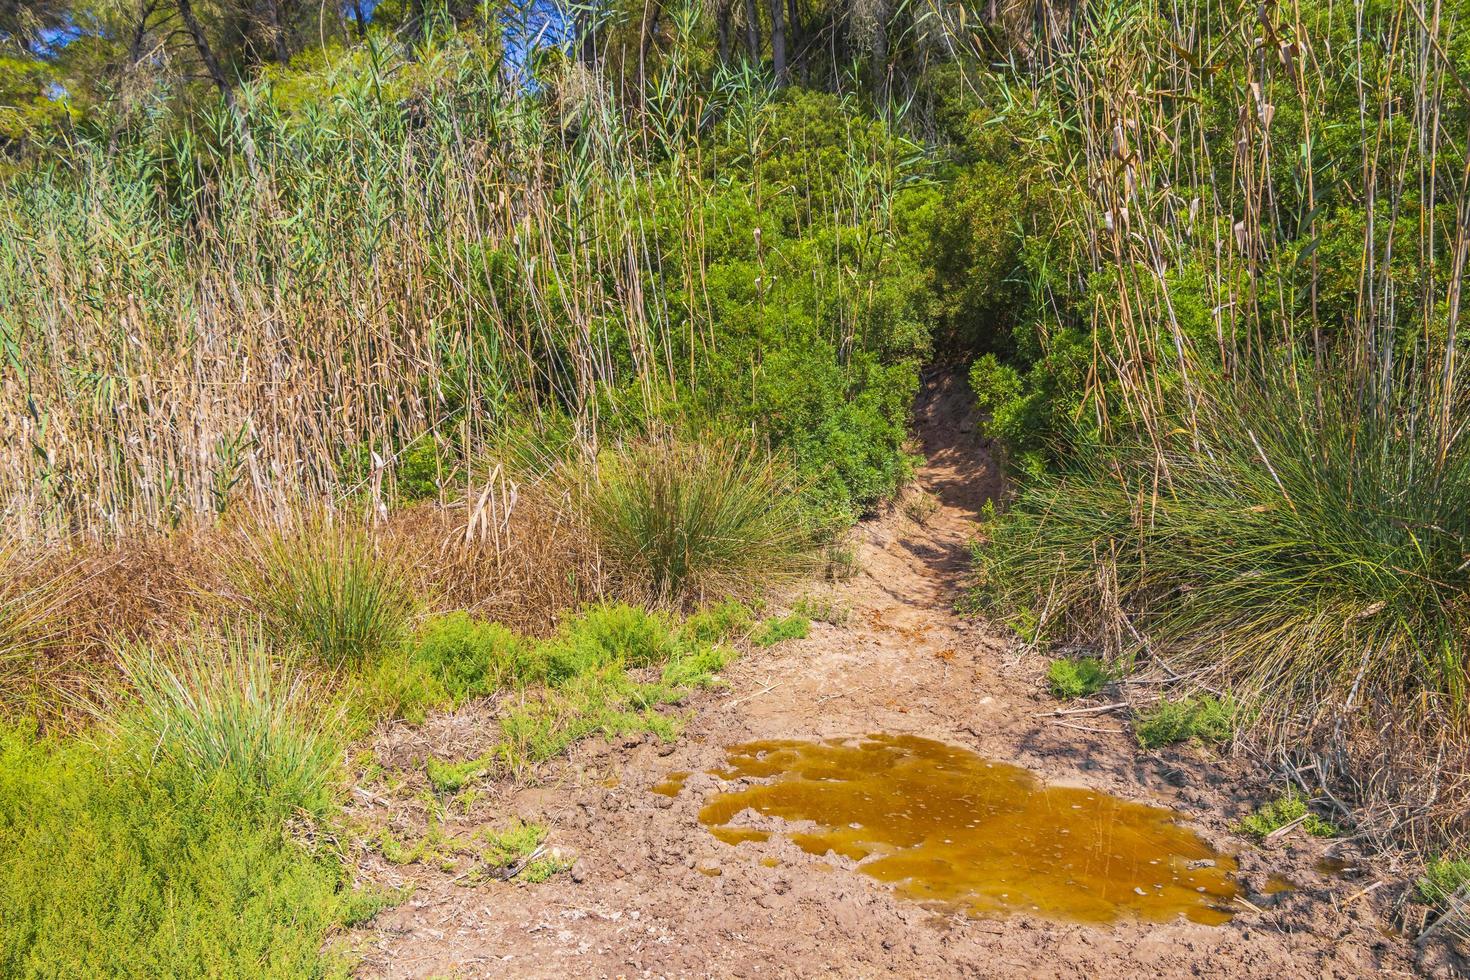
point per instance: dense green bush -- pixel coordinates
(1068, 679)
(1199, 718)
(1283, 811)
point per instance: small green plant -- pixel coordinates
(545, 868)
(1286, 809)
(680, 521)
(726, 621)
(823, 609)
(1443, 878)
(455, 658)
(324, 587)
(777, 629)
(508, 846)
(1202, 718)
(919, 506)
(1069, 679)
(451, 777)
(841, 562)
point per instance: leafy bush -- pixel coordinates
(455, 658)
(1204, 718)
(680, 522)
(1070, 679)
(1286, 809)
(324, 587)
(728, 620)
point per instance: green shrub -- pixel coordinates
(1285, 809)
(455, 658)
(162, 848)
(614, 635)
(451, 777)
(726, 621)
(777, 629)
(1443, 877)
(1070, 679)
(1204, 718)
(680, 522)
(326, 588)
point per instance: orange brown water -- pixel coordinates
(672, 785)
(945, 825)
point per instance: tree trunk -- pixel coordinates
(753, 30)
(217, 75)
(778, 40)
(140, 32)
(206, 53)
(879, 73)
(647, 31)
(586, 40)
(359, 21)
(722, 28)
(278, 33)
(795, 35)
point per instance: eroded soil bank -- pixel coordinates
(654, 893)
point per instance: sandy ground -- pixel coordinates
(643, 899)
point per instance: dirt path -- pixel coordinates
(644, 899)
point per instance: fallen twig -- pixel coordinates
(1094, 710)
(1288, 828)
(768, 687)
(1362, 892)
(1084, 728)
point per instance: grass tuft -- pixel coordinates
(227, 709)
(681, 522)
(1443, 878)
(778, 629)
(325, 587)
(1286, 809)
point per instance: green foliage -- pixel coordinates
(727, 621)
(162, 847)
(454, 658)
(1203, 718)
(682, 521)
(777, 629)
(1299, 548)
(451, 777)
(1069, 679)
(1286, 809)
(325, 588)
(1443, 878)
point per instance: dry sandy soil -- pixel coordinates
(643, 900)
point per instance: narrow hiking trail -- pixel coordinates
(654, 894)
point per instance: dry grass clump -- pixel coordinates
(513, 555)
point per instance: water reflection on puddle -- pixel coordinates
(945, 825)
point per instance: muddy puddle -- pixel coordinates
(948, 827)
